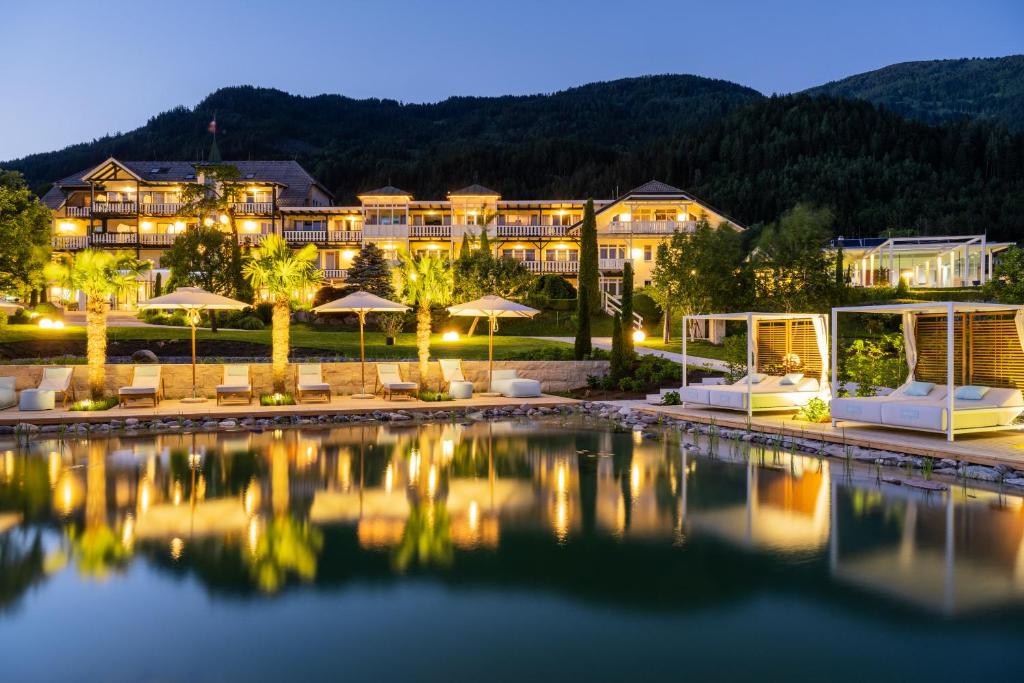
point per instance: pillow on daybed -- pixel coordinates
(971, 393)
(919, 389)
(756, 378)
(792, 378)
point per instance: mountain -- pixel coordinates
(942, 90)
(751, 156)
(561, 144)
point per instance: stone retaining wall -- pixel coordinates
(555, 376)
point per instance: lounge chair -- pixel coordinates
(146, 383)
(389, 379)
(8, 396)
(455, 379)
(309, 383)
(770, 393)
(509, 384)
(58, 380)
(988, 408)
(236, 385)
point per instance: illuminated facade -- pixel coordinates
(137, 206)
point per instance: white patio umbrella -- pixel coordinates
(361, 303)
(194, 300)
(492, 307)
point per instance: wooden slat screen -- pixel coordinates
(986, 350)
(776, 339)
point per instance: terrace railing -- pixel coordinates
(70, 242)
(114, 208)
(253, 208)
(160, 209)
(157, 239)
(552, 266)
(516, 231)
(116, 238)
(651, 227)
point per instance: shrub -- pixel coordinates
(328, 294)
(98, 404)
(46, 309)
(873, 364)
(264, 311)
(548, 288)
(735, 351)
(434, 396)
(816, 410)
(671, 398)
(277, 400)
(647, 308)
(390, 324)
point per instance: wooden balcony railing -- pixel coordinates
(516, 231)
(335, 273)
(157, 239)
(431, 231)
(253, 208)
(394, 231)
(250, 239)
(70, 242)
(611, 263)
(114, 208)
(652, 227)
(552, 266)
(120, 238)
(160, 209)
(77, 211)
(322, 236)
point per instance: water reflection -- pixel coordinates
(551, 503)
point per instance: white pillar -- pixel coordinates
(685, 335)
(835, 353)
(950, 389)
(750, 366)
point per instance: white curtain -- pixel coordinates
(754, 322)
(1018, 320)
(910, 343)
(821, 335)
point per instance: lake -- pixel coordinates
(510, 550)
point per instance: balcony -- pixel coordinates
(335, 273)
(157, 239)
(651, 227)
(70, 242)
(552, 266)
(250, 239)
(77, 211)
(392, 231)
(160, 209)
(431, 231)
(323, 237)
(114, 208)
(253, 208)
(517, 231)
(611, 263)
(115, 238)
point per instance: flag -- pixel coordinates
(212, 126)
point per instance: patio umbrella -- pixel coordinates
(492, 307)
(361, 303)
(194, 300)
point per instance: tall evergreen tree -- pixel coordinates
(618, 364)
(25, 236)
(627, 312)
(582, 347)
(467, 246)
(370, 272)
(589, 273)
(485, 243)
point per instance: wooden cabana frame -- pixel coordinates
(785, 337)
(961, 323)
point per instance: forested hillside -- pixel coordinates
(750, 156)
(943, 90)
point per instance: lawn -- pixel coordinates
(332, 343)
(701, 349)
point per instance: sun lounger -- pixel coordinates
(146, 384)
(451, 372)
(8, 395)
(236, 386)
(389, 379)
(58, 380)
(771, 393)
(509, 384)
(309, 383)
(996, 409)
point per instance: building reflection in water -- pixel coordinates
(259, 505)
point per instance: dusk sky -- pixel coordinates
(75, 71)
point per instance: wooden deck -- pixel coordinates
(1006, 447)
(339, 405)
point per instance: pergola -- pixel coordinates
(752, 319)
(910, 313)
(927, 261)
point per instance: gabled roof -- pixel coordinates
(386, 191)
(101, 173)
(474, 190)
(294, 180)
(656, 187)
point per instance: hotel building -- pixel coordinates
(136, 205)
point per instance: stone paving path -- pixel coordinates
(605, 343)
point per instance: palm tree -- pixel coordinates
(99, 275)
(426, 281)
(274, 269)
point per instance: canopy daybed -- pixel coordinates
(965, 360)
(787, 357)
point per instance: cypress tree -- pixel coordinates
(158, 285)
(588, 257)
(627, 313)
(467, 246)
(485, 243)
(617, 365)
(582, 347)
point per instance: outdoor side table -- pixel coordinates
(458, 389)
